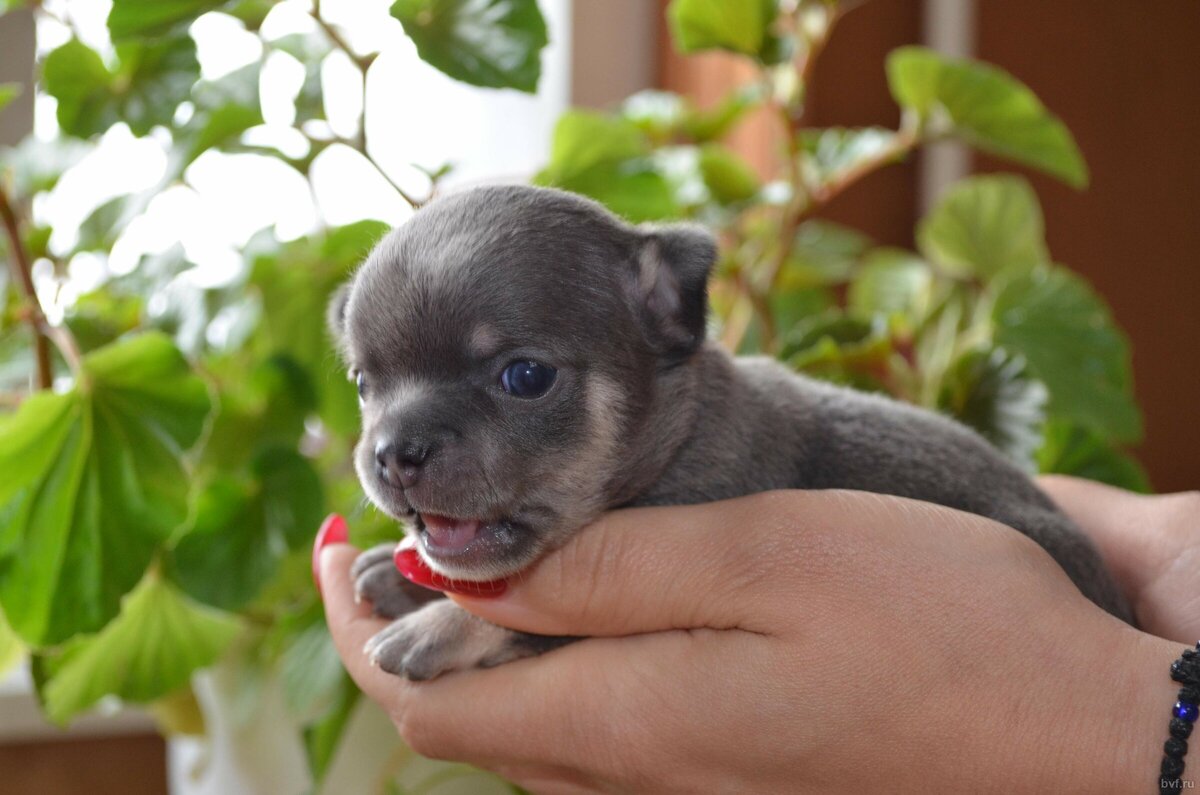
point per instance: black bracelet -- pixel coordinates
(1186, 671)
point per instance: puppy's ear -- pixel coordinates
(335, 313)
(671, 285)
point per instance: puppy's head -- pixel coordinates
(511, 346)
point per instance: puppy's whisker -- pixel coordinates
(493, 492)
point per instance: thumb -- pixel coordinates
(652, 569)
(1115, 520)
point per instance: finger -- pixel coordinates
(1115, 520)
(352, 624)
(579, 711)
(542, 721)
(639, 570)
(712, 565)
(1145, 541)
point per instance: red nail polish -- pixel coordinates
(413, 567)
(333, 531)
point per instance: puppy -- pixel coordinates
(526, 360)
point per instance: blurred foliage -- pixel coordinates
(978, 322)
(159, 498)
(494, 43)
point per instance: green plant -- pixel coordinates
(159, 490)
(979, 322)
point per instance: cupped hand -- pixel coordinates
(1151, 543)
(791, 642)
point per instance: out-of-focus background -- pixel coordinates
(1124, 80)
(232, 250)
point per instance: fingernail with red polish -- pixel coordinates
(413, 567)
(333, 531)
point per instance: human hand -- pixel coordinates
(790, 641)
(1151, 543)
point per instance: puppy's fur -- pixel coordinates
(643, 410)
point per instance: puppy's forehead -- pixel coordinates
(485, 269)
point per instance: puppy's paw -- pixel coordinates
(377, 581)
(442, 637)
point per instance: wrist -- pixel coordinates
(1083, 710)
(1080, 710)
(1112, 718)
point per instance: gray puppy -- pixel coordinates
(526, 361)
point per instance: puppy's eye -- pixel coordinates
(526, 379)
(360, 381)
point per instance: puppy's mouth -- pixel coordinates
(445, 535)
(466, 545)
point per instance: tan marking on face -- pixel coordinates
(604, 403)
(578, 485)
(484, 342)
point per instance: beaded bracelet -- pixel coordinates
(1186, 671)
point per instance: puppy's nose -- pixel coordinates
(400, 463)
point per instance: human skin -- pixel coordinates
(1151, 543)
(799, 642)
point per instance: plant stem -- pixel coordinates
(737, 323)
(807, 64)
(800, 205)
(359, 144)
(413, 201)
(904, 142)
(336, 37)
(43, 332)
(65, 341)
(759, 303)
(804, 202)
(22, 270)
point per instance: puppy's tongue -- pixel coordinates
(450, 534)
